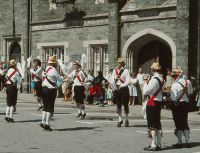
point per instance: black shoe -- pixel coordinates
(11, 120)
(177, 145)
(158, 148)
(187, 145)
(39, 108)
(126, 124)
(7, 119)
(47, 127)
(83, 116)
(149, 148)
(78, 115)
(119, 124)
(42, 125)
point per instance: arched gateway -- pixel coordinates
(147, 46)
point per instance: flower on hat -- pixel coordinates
(12, 62)
(52, 59)
(155, 66)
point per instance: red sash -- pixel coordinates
(43, 78)
(9, 77)
(78, 77)
(151, 99)
(118, 76)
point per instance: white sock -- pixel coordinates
(187, 136)
(153, 142)
(48, 117)
(83, 111)
(7, 111)
(11, 111)
(43, 117)
(120, 117)
(126, 117)
(79, 110)
(158, 134)
(179, 136)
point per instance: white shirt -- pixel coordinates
(81, 76)
(152, 87)
(133, 81)
(108, 77)
(15, 78)
(177, 90)
(89, 79)
(125, 76)
(53, 76)
(37, 74)
(1, 72)
(140, 77)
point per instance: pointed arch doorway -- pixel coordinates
(148, 46)
(15, 52)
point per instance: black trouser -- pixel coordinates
(122, 98)
(153, 116)
(48, 98)
(180, 116)
(38, 88)
(79, 94)
(11, 91)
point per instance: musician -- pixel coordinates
(153, 89)
(180, 90)
(120, 81)
(78, 87)
(12, 81)
(51, 81)
(37, 78)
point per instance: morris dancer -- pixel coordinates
(37, 78)
(49, 92)
(119, 83)
(78, 88)
(180, 90)
(12, 81)
(153, 89)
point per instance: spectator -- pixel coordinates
(133, 89)
(140, 77)
(89, 80)
(109, 96)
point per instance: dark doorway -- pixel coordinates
(155, 51)
(15, 52)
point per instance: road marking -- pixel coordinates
(168, 131)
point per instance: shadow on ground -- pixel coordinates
(25, 121)
(77, 129)
(193, 145)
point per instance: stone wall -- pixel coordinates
(182, 34)
(42, 13)
(6, 22)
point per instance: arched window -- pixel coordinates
(15, 52)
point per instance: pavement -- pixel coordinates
(97, 133)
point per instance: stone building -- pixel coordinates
(141, 31)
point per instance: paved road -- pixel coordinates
(96, 134)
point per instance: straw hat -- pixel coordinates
(120, 60)
(155, 66)
(52, 60)
(77, 63)
(176, 71)
(12, 62)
